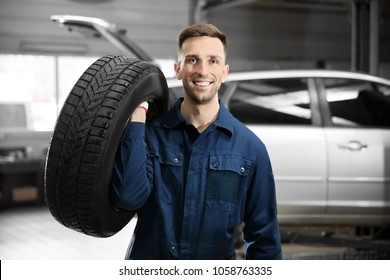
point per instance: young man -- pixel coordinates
(196, 173)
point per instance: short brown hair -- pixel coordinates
(199, 30)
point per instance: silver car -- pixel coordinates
(328, 135)
(327, 132)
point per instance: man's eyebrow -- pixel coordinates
(191, 55)
(215, 56)
(209, 56)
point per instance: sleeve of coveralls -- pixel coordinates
(261, 228)
(130, 186)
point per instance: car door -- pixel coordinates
(358, 142)
(280, 113)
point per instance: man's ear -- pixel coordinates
(225, 72)
(177, 70)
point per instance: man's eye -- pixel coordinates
(214, 61)
(191, 60)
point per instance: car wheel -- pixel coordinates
(86, 136)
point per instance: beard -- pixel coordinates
(203, 97)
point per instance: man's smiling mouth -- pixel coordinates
(202, 83)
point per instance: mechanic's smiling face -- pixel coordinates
(201, 66)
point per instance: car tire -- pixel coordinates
(86, 136)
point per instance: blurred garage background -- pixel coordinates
(40, 62)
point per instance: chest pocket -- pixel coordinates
(225, 180)
(169, 181)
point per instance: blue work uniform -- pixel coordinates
(191, 190)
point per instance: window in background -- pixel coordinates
(29, 81)
(358, 103)
(39, 84)
(273, 101)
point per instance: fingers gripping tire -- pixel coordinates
(86, 136)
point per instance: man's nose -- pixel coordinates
(202, 68)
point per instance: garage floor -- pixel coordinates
(32, 233)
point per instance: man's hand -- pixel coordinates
(139, 114)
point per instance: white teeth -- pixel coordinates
(203, 84)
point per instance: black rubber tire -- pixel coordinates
(86, 136)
